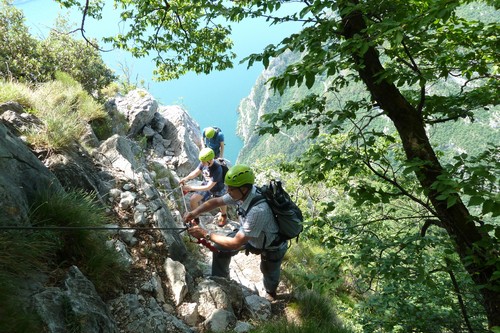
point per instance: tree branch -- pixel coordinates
(459, 295)
(399, 187)
(427, 224)
(443, 120)
(414, 66)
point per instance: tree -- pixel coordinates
(62, 52)
(19, 51)
(27, 59)
(399, 50)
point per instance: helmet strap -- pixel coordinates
(243, 195)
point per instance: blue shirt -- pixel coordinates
(214, 143)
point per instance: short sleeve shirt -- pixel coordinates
(212, 173)
(259, 223)
(214, 143)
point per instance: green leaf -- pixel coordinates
(399, 37)
(452, 200)
(310, 77)
(476, 201)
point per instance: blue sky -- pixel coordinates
(212, 100)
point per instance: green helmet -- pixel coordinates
(206, 155)
(209, 132)
(239, 175)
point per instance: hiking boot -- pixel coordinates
(222, 220)
(271, 296)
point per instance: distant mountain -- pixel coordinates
(262, 100)
(452, 138)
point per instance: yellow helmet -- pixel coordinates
(206, 155)
(239, 175)
(209, 132)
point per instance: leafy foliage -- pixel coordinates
(187, 35)
(29, 60)
(19, 51)
(373, 261)
(63, 53)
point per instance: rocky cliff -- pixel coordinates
(262, 100)
(134, 174)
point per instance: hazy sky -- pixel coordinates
(212, 100)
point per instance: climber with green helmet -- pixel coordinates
(214, 138)
(256, 234)
(212, 185)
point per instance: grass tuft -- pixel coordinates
(65, 110)
(22, 255)
(16, 92)
(312, 314)
(83, 248)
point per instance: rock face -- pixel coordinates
(79, 298)
(260, 101)
(22, 176)
(184, 136)
(134, 174)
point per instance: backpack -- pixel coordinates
(287, 214)
(225, 164)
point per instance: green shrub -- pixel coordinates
(30, 60)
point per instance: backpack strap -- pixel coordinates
(255, 201)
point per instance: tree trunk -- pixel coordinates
(457, 221)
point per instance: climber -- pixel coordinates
(212, 185)
(257, 232)
(214, 138)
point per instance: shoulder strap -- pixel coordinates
(256, 200)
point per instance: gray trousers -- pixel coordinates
(270, 265)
